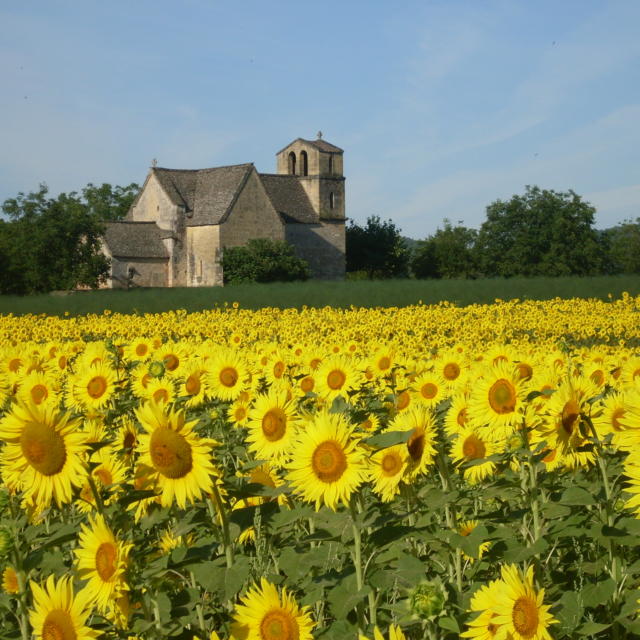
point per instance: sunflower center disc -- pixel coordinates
(192, 385)
(106, 560)
(403, 400)
(329, 461)
(429, 390)
(274, 424)
(278, 369)
(451, 371)
(525, 371)
(170, 453)
(570, 413)
(502, 396)
(525, 617)
(307, 384)
(171, 362)
(43, 447)
(415, 444)
(615, 419)
(58, 626)
(391, 464)
(103, 474)
(461, 418)
(473, 448)
(384, 363)
(161, 395)
(279, 625)
(39, 393)
(96, 387)
(336, 379)
(129, 440)
(141, 350)
(229, 377)
(598, 377)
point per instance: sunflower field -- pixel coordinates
(398, 473)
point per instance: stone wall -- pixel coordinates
(150, 272)
(322, 245)
(252, 216)
(203, 264)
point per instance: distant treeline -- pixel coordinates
(540, 233)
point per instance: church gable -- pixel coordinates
(251, 215)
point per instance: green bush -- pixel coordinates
(263, 260)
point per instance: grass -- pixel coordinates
(361, 293)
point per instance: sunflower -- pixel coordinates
(272, 426)
(472, 445)
(420, 445)
(327, 466)
(452, 366)
(39, 388)
(43, 454)
(193, 385)
(92, 387)
(430, 388)
(10, 582)
(138, 349)
(227, 375)
(484, 627)
(264, 614)
(173, 356)
(497, 397)
(386, 470)
(58, 613)
(632, 472)
(109, 473)
(238, 413)
(336, 375)
(181, 460)
(381, 362)
(457, 416)
(160, 390)
(565, 423)
(101, 559)
(519, 607)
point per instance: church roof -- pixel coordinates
(320, 144)
(128, 239)
(206, 194)
(288, 197)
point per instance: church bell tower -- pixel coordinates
(318, 166)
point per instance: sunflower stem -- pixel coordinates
(226, 537)
(198, 605)
(23, 619)
(96, 494)
(608, 503)
(357, 542)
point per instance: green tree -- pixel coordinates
(623, 247)
(263, 260)
(449, 253)
(54, 243)
(110, 203)
(377, 249)
(542, 232)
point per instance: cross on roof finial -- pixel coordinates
(154, 163)
(319, 135)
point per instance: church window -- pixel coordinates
(304, 161)
(330, 164)
(332, 200)
(292, 163)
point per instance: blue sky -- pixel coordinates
(441, 106)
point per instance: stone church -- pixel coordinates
(176, 230)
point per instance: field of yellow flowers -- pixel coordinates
(418, 472)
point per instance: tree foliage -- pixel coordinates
(263, 260)
(449, 253)
(54, 243)
(540, 233)
(622, 243)
(377, 249)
